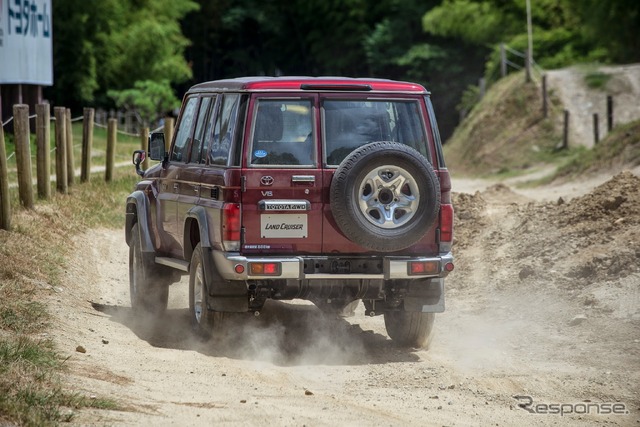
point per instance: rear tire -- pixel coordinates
(204, 322)
(411, 329)
(148, 288)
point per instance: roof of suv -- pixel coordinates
(310, 83)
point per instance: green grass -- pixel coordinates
(34, 256)
(596, 79)
(34, 396)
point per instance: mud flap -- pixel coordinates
(138, 210)
(425, 298)
(226, 295)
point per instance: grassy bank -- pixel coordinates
(505, 132)
(33, 257)
(621, 147)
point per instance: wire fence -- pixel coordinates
(536, 70)
(18, 168)
(99, 113)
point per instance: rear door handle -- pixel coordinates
(303, 179)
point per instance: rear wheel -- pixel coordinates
(148, 287)
(204, 321)
(411, 329)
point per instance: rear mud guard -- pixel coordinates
(226, 295)
(427, 300)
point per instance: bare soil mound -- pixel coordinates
(586, 239)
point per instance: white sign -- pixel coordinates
(283, 226)
(26, 54)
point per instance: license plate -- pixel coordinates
(283, 226)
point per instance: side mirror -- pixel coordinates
(156, 146)
(138, 158)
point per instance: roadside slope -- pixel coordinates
(506, 130)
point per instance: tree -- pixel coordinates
(564, 31)
(398, 47)
(112, 44)
(151, 99)
(612, 25)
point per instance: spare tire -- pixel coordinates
(385, 196)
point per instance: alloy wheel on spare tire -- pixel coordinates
(385, 196)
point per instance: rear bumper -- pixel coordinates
(232, 266)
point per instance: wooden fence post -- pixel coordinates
(87, 143)
(168, 132)
(503, 60)
(112, 137)
(61, 150)
(23, 154)
(565, 134)
(144, 142)
(5, 202)
(609, 113)
(545, 97)
(596, 130)
(70, 160)
(43, 150)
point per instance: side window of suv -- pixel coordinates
(283, 133)
(203, 129)
(224, 130)
(183, 134)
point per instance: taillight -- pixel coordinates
(231, 226)
(446, 223)
(421, 268)
(264, 268)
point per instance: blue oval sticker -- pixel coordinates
(260, 153)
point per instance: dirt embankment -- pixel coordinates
(544, 302)
(582, 102)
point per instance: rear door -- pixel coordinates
(350, 121)
(282, 198)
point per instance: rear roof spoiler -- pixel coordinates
(346, 87)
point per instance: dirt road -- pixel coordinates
(544, 302)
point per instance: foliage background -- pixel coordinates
(146, 53)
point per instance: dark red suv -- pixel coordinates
(332, 190)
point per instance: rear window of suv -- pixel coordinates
(351, 123)
(283, 133)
